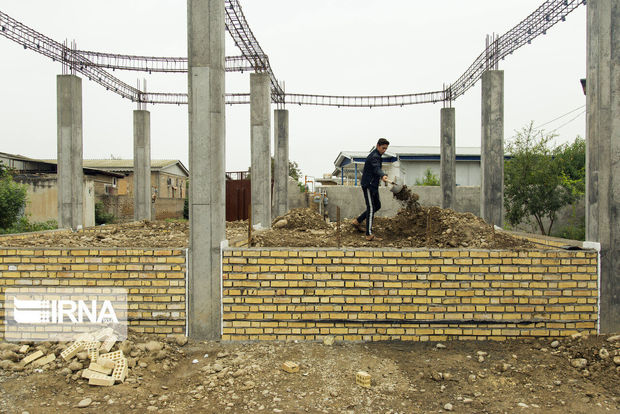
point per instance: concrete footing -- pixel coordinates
(207, 167)
(260, 175)
(280, 179)
(141, 165)
(70, 153)
(492, 148)
(603, 151)
(448, 158)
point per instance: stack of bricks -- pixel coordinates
(106, 368)
(154, 278)
(361, 294)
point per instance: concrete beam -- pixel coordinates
(70, 170)
(448, 158)
(207, 212)
(260, 121)
(280, 179)
(492, 148)
(603, 151)
(141, 165)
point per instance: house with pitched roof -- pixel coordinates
(168, 187)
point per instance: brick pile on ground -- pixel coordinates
(105, 368)
(97, 359)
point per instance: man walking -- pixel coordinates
(371, 176)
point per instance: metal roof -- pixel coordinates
(126, 165)
(87, 170)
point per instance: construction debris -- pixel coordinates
(104, 369)
(290, 367)
(362, 378)
(44, 361)
(32, 357)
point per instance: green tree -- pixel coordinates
(572, 160)
(12, 198)
(539, 179)
(429, 179)
(294, 171)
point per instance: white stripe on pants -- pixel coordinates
(370, 212)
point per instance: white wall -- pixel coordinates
(467, 173)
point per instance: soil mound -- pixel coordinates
(414, 226)
(301, 219)
(437, 227)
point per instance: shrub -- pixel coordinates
(12, 199)
(429, 179)
(101, 217)
(23, 225)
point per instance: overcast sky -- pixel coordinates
(343, 47)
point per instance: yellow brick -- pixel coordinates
(282, 253)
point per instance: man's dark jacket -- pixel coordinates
(371, 176)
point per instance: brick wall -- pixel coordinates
(155, 279)
(357, 294)
(352, 294)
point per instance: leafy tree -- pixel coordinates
(12, 198)
(294, 171)
(539, 179)
(429, 179)
(572, 160)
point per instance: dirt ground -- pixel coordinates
(528, 376)
(413, 227)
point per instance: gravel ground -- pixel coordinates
(571, 375)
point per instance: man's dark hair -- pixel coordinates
(383, 141)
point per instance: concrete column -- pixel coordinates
(141, 165)
(448, 158)
(492, 148)
(603, 151)
(70, 170)
(260, 114)
(280, 179)
(207, 212)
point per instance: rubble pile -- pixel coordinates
(99, 359)
(106, 368)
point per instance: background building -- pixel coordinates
(410, 164)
